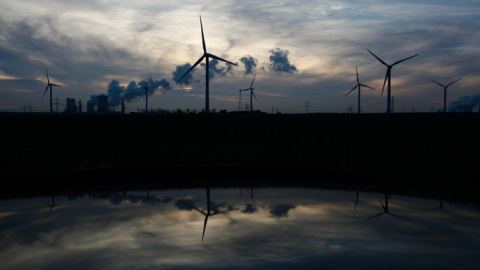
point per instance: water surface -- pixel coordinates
(238, 228)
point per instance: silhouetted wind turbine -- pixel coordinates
(208, 213)
(146, 94)
(388, 76)
(207, 56)
(385, 210)
(358, 85)
(49, 85)
(251, 94)
(445, 92)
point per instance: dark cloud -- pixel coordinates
(185, 204)
(132, 91)
(279, 211)
(180, 70)
(153, 85)
(114, 92)
(250, 64)
(464, 104)
(249, 209)
(215, 69)
(215, 208)
(279, 61)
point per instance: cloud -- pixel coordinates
(114, 93)
(279, 211)
(464, 104)
(214, 69)
(279, 61)
(153, 85)
(249, 209)
(250, 64)
(180, 71)
(185, 204)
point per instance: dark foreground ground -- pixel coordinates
(421, 152)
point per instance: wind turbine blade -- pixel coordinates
(438, 83)
(200, 211)
(221, 59)
(148, 78)
(46, 89)
(381, 61)
(453, 82)
(398, 62)
(198, 61)
(253, 80)
(358, 80)
(352, 89)
(55, 84)
(385, 81)
(46, 70)
(383, 206)
(367, 86)
(253, 93)
(374, 216)
(203, 38)
(204, 226)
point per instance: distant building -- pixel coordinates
(102, 106)
(71, 106)
(90, 107)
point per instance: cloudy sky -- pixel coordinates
(302, 53)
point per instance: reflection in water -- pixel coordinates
(216, 211)
(281, 228)
(385, 209)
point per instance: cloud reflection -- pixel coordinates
(310, 228)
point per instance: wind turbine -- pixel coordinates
(49, 85)
(385, 210)
(388, 76)
(207, 56)
(146, 93)
(208, 213)
(359, 85)
(445, 92)
(251, 94)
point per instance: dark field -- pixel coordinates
(425, 151)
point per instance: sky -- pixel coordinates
(303, 54)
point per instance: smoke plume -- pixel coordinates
(214, 69)
(279, 61)
(250, 64)
(178, 73)
(464, 104)
(116, 92)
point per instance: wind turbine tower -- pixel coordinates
(207, 56)
(445, 92)
(252, 94)
(146, 94)
(49, 85)
(358, 86)
(388, 75)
